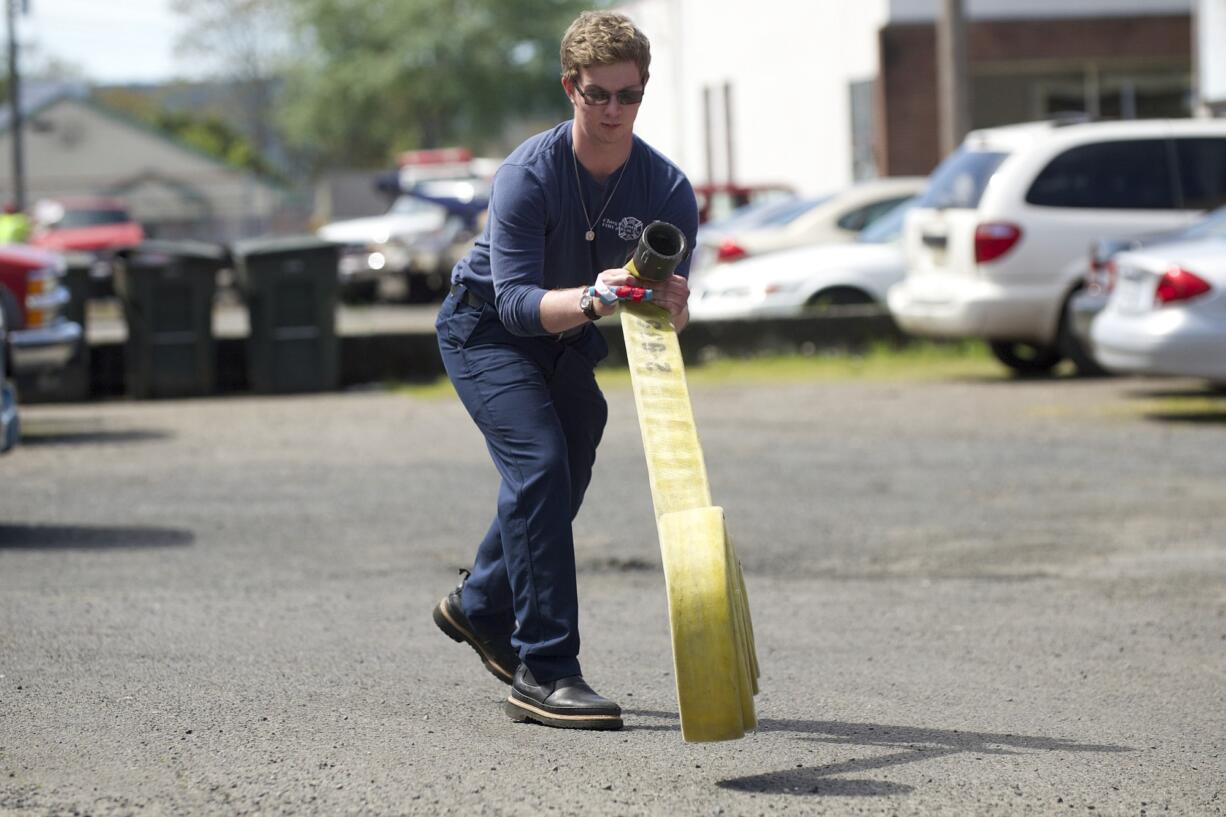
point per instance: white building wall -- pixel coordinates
(1211, 52)
(790, 63)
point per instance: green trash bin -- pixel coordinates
(290, 286)
(167, 290)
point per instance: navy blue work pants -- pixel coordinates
(536, 401)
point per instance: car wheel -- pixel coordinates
(361, 292)
(1029, 359)
(1071, 347)
(832, 301)
(425, 288)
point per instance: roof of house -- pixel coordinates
(38, 96)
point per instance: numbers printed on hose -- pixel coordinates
(654, 345)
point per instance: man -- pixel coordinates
(518, 342)
(14, 225)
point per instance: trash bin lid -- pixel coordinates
(280, 244)
(201, 250)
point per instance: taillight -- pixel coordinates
(1101, 277)
(1178, 284)
(729, 250)
(994, 239)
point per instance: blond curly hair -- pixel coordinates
(603, 38)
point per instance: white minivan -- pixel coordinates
(1000, 239)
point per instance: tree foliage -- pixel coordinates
(245, 44)
(242, 40)
(374, 77)
(200, 130)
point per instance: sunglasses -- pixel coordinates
(597, 96)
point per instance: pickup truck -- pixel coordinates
(32, 297)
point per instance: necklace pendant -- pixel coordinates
(590, 235)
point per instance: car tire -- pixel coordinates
(360, 293)
(1073, 349)
(1027, 359)
(425, 288)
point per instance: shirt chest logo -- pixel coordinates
(628, 229)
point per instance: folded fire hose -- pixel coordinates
(714, 659)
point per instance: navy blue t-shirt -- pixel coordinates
(534, 237)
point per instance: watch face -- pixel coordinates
(586, 305)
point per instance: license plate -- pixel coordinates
(1134, 293)
(935, 244)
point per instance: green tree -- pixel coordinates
(203, 131)
(379, 76)
(245, 45)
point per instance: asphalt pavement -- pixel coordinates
(971, 597)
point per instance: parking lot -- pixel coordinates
(973, 596)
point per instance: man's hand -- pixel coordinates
(614, 278)
(672, 294)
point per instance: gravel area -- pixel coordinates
(970, 597)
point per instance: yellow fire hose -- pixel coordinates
(714, 658)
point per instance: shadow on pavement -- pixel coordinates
(912, 744)
(1193, 406)
(90, 537)
(1189, 417)
(1157, 392)
(41, 436)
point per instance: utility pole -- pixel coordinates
(953, 81)
(729, 144)
(15, 123)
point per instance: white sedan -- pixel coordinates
(804, 281)
(1167, 312)
(834, 218)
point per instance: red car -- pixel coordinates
(95, 225)
(84, 224)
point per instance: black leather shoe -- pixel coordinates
(496, 653)
(567, 703)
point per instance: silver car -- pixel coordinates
(1167, 311)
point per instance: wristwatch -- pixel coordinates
(588, 304)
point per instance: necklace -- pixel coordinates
(590, 235)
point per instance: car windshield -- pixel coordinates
(92, 218)
(960, 180)
(756, 214)
(1211, 226)
(887, 228)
